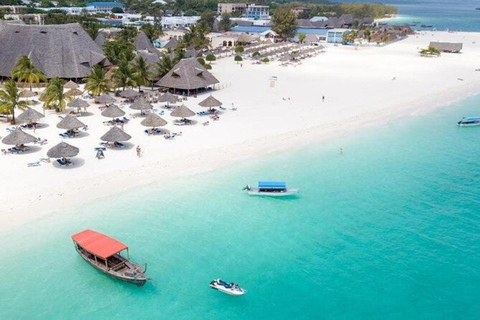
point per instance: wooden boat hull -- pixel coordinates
(139, 281)
(287, 193)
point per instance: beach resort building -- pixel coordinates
(230, 8)
(258, 12)
(336, 35)
(188, 75)
(64, 51)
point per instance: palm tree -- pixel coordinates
(96, 83)
(25, 71)
(9, 99)
(141, 71)
(54, 96)
(123, 75)
(164, 65)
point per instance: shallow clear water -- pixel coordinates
(390, 229)
(458, 15)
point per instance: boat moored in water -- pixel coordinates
(272, 189)
(469, 122)
(228, 288)
(103, 253)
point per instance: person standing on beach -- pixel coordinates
(323, 98)
(139, 151)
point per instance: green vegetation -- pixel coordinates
(265, 60)
(9, 99)
(238, 58)
(124, 75)
(118, 50)
(201, 61)
(349, 37)
(239, 49)
(54, 96)
(96, 83)
(225, 23)
(166, 64)
(152, 31)
(196, 37)
(207, 66)
(284, 23)
(210, 57)
(25, 71)
(141, 72)
(256, 53)
(301, 37)
(430, 51)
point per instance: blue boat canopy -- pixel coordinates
(272, 185)
(471, 118)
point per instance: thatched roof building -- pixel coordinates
(447, 46)
(64, 51)
(188, 74)
(171, 44)
(143, 43)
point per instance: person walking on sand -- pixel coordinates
(323, 98)
(139, 151)
(341, 150)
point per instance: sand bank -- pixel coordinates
(363, 86)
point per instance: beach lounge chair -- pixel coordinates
(10, 129)
(223, 108)
(118, 145)
(206, 123)
(64, 163)
(33, 164)
(46, 160)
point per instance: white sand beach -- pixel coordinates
(364, 86)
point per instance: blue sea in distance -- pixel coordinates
(390, 229)
(453, 15)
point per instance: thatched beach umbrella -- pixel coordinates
(153, 120)
(63, 150)
(129, 94)
(73, 92)
(78, 103)
(115, 135)
(210, 102)
(26, 94)
(168, 98)
(113, 112)
(104, 98)
(182, 112)
(141, 104)
(18, 137)
(71, 85)
(29, 115)
(70, 123)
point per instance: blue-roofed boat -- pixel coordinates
(469, 122)
(272, 189)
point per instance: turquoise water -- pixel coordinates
(458, 15)
(388, 230)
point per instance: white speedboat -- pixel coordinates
(469, 122)
(271, 189)
(228, 288)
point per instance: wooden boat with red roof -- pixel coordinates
(103, 253)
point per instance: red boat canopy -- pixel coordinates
(98, 244)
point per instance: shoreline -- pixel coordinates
(359, 93)
(289, 142)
